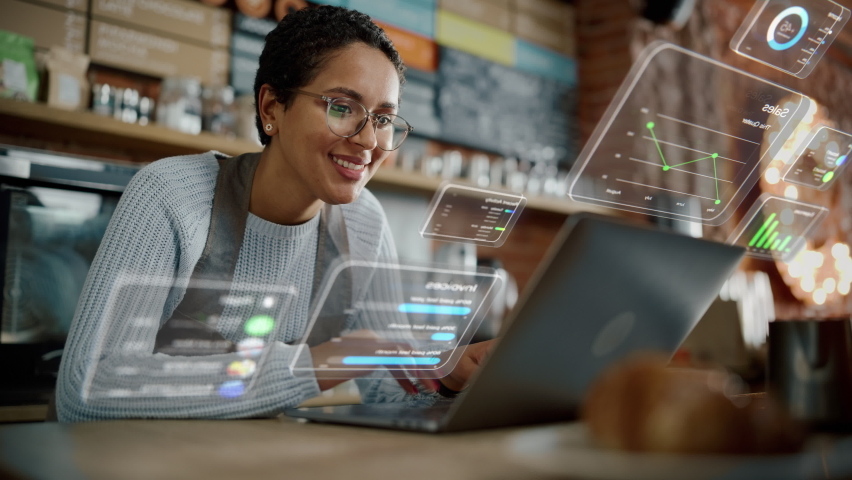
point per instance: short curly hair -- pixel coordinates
(296, 50)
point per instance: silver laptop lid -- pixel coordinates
(605, 289)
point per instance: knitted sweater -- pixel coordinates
(159, 229)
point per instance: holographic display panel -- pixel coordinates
(465, 214)
(123, 366)
(664, 159)
(410, 319)
(777, 228)
(820, 158)
(790, 35)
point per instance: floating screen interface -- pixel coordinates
(401, 318)
(777, 228)
(472, 215)
(790, 35)
(820, 158)
(199, 361)
(670, 160)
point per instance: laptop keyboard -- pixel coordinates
(427, 408)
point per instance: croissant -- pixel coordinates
(641, 405)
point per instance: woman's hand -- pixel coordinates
(472, 358)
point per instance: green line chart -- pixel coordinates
(666, 167)
(692, 157)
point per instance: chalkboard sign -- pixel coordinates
(485, 105)
(419, 106)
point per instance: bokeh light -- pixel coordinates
(772, 175)
(808, 284)
(791, 192)
(840, 250)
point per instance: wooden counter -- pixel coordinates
(285, 448)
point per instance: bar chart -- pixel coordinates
(767, 237)
(777, 228)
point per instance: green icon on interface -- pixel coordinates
(259, 325)
(667, 167)
(820, 158)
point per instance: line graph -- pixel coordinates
(678, 170)
(663, 142)
(666, 167)
(666, 136)
(691, 156)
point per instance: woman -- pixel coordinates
(327, 91)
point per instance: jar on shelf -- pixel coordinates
(128, 110)
(103, 99)
(180, 104)
(218, 111)
(146, 110)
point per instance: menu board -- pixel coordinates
(496, 108)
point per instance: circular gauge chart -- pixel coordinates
(787, 28)
(790, 35)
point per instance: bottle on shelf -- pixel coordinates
(180, 104)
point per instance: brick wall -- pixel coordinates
(604, 31)
(604, 57)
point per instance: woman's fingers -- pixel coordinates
(404, 382)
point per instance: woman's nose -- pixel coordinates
(366, 138)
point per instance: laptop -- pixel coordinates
(605, 289)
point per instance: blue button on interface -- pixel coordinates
(443, 336)
(434, 309)
(378, 360)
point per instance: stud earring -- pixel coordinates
(268, 127)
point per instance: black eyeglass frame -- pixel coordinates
(369, 115)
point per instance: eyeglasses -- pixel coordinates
(346, 117)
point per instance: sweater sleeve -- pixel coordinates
(108, 370)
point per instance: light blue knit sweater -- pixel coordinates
(159, 230)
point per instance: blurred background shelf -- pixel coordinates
(152, 141)
(47, 123)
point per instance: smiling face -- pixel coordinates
(313, 162)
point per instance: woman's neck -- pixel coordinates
(279, 197)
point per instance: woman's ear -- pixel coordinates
(268, 108)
